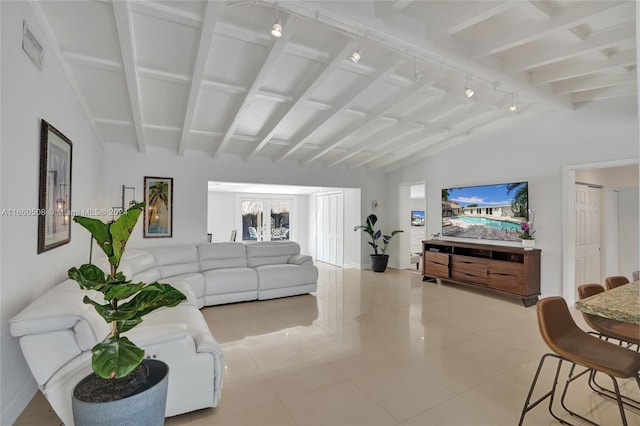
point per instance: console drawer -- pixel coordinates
(437, 265)
(470, 269)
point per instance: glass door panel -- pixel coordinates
(280, 211)
(252, 223)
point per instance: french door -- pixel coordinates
(266, 219)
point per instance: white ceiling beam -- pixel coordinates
(560, 72)
(265, 70)
(522, 34)
(163, 75)
(547, 55)
(591, 82)
(161, 11)
(401, 4)
(124, 26)
(597, 94)
(93, 62)
(439, 141)
(302, 96)
(438, 126)
(470, 14)
(341, 104)
(427, 112)
(385, 106)
(213, 10)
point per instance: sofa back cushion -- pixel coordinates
(139, 265)
(172, 261)
(222, 255)
(271, 252)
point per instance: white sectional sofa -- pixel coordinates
(226, 272)
(58, 330)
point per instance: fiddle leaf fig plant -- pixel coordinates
(126, 302)
(369, 229)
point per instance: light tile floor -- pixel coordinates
(379, 349)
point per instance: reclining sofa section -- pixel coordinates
(226, 272)
(58, 330)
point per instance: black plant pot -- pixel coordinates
(139, 400)
(379, 262)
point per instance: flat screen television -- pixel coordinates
(417, 217)
(486, 212)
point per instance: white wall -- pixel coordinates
(628, 201)
(535, 150)
(221, 215)
(192, 172)
(30, 94)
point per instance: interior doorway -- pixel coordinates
(413, 220)
(618, 252)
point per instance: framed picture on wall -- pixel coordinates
(158, 212)
(417, 217)
(54, 197)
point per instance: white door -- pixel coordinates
(329, 228)
(587, 234)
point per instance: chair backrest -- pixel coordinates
(615, 281)
(636, 275)
(588, 290)
(234, 233)
(554, 321)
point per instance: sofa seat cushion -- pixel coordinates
(277, 276)
(230, 280)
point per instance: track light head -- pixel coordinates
(276, 29)
(513, 107)
(418, 76)
(355, 56)
(469, 92)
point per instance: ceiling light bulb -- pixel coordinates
(355, 56)
(513, 108)
(468, 92)
(276, 30)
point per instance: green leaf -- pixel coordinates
(114, 358)
(121, 231)
(89, 277)
(150, 298)
(122, 290)
(128, 324)
(106, 311)
(100, 232)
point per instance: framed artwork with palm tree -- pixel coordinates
(158, 213)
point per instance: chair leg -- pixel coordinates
(608, 393)
(571, 378)
(528, 407)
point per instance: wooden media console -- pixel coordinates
(511, 270)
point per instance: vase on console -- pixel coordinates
(528, 244)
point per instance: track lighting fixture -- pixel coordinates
(468, 91)
(418, 75)
(513, 107)
(276, 29)
(355, 56)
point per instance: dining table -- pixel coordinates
(621, 303)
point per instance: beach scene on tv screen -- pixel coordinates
(490, 212)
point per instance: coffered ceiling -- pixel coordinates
(208, 77)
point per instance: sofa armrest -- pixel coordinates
(300, 259)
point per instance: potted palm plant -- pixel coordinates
(380, 260)
(123, 385)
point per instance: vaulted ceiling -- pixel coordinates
(209, 77)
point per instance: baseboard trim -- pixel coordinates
(12, 410)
